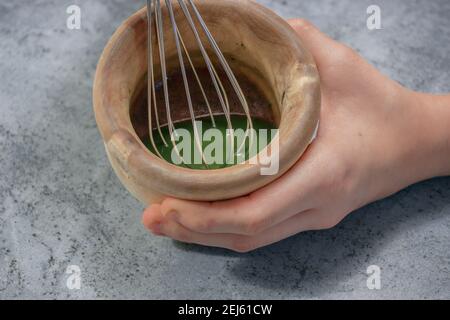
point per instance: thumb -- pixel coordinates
(323, 48)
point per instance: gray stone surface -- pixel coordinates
(61, 204)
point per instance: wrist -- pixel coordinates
(411, 147)
(431, 131)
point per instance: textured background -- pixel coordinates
(61, 204)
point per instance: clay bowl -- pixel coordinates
(258, 44)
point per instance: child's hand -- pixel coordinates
(375, 138)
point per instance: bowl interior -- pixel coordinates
(256, 51)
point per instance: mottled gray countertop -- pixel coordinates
(61, 204)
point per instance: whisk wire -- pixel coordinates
(151, 92)
(162, 54)
(202, 89)
(185, 80)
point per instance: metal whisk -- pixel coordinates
(192, 14)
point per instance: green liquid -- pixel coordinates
(227, 156)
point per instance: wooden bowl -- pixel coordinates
(257, 43)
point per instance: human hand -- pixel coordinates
(375, 138)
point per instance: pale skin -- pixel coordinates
(376, 138)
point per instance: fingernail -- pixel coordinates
(156, 229)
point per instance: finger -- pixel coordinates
(248, 215)
(309, 220)
(152, 219)
(322, 47)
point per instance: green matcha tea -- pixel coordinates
(225, 153)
